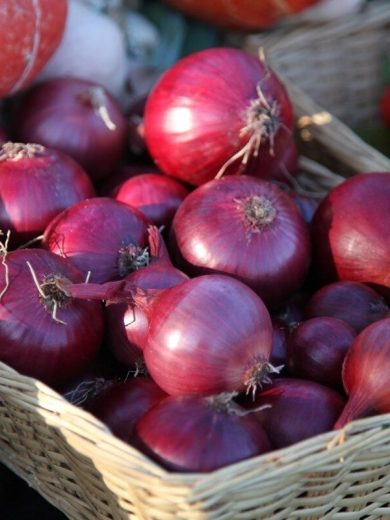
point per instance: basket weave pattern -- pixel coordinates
(73, 460)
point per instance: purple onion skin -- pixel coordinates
(366, 373)
(317, 348)
(127, 325)
(35, 189)
(212, 233)
(92, 233)
(298, 410)
(57, 113)
(353, 302)
(195, 117)
(157, 196)
(206, 336)
(351, 239)
(31, 341)
(122, 406)
(192, 434)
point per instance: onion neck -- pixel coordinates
(96, 98)
(258, 375)
(52, 292)
(131, 258)
(262, 121)
(15, 151)
(356, 408)
(258, 211)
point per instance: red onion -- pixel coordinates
(200, 434)
(247, 228)
(366, 373)
(279, 343)
(297, 410)
(351, 231)
(127, 325)
(110, 186)
(36, 184)
(43, 332)
(121, 406)
(199, 123)
(157, 196)
(101, 236)
(208, 335)
(278, 164)
(76, 116)
(317, 348)
(353, 302)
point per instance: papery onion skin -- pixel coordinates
(208, 335)
(157, 196)
(197, 434)
(241, 14)
(197, 119)
(351, 232)
(92, 234)
(247, 228)
(127, 325)
(366, 373)
(317, 348)
(63, 113)
(122, 406)
(279, 163)
(31, 340)
(36, 184)
(298, 410)
(353, 302)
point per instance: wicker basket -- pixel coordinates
(74, 461)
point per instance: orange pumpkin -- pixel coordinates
(241, 14)
(30, 33)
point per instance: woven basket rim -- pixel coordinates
(336, 442)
